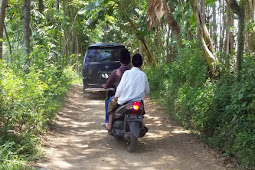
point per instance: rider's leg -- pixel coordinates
(106, 109)
(111, 107)
(109, 124)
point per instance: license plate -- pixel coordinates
(135, 118)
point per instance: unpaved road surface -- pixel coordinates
(78, 141)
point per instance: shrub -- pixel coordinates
(29, 101)
(222, 110)
(9, 158)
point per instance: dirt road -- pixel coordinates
(77, 141)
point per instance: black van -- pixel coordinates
(99, 61)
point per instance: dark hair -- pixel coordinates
(124, 56)
(137, 60)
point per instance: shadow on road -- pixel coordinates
(77, 141)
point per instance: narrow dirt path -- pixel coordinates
(77, 141)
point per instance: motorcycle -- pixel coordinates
(128, 122)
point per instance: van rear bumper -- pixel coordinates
(94, 90)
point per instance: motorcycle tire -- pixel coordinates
(131, 144)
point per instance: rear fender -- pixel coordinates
(135, 128)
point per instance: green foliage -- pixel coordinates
(222, 110)
(31, 92)
(93, 6)
(9, 157)
(29, 101)
(210, 2)
(235, 106)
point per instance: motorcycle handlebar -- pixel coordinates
(110, 89)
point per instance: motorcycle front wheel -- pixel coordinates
(131, 144)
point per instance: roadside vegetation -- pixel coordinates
(199, 58)
(29, 102)
(220, 111)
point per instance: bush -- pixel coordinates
(235, 106)
(222, 110)
(9, 158)
(29, 101)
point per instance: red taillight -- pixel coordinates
(136, 106)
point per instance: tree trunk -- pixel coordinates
(239, 11)
(8, 40)
(222, 24)
(2, 17)
(57, 31)
(215, 27)
(65, 52)
(26, 30)
(72, 33)
(40, 6)
(64, 5)
(250, 9)
(77, 53)
(171, 21)
(156, 10)
(147, 51)
(57, 4)
(240, 46)
(205, 38)
(141, 50)
(202, 9)
(175, 29)
(229, 40)
(249, 17)
(203, 5)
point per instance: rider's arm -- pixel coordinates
(110, 80)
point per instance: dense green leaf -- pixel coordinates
(210, 2)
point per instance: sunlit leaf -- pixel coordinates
(192, 20)
(92, 6)
(210, 2)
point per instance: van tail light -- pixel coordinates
(136, 106)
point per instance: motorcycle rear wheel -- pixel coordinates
(131, 144)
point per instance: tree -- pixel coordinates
(205, 38)
(156, 10)
(249, 18)
(239, 10)
(26, 29)
(2, 17)
(140, 37)
(41, 6)
(57, 4)
(214, 27)
(229, 40)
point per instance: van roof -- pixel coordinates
(106, 45)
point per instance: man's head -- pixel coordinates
(137, 60)
(124, 56)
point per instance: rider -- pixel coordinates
(133, 86)
(115, 77)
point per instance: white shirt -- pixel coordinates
(133, 86)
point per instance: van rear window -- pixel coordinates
(103, 54)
